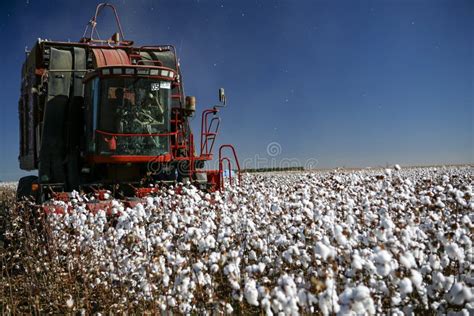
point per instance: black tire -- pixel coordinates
(23, 189)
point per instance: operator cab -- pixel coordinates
(127, 113)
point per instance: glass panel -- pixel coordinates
(91, 96)
(134, 106)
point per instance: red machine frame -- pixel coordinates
(117, 52)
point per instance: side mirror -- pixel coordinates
(222, 96)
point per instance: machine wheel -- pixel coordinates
(24, 188)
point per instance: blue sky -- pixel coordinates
(347, 83)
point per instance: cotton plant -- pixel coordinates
(335, 242)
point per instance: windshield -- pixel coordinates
(131, 106)
(134, 105)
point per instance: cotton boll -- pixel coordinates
(234, 284)
(207, 243)
(362, 302)
(323, 251)
(459, 293)
(198, 266)
(340, 238)
(228, 308)
(435, 263)
(357, 262)
(405, 286)
(396, 299)
(302, 297)
(267, 307)
(382, 259)
(444, 261)
(251, 293)
(214, 268)
(439, 204)
(327, 300)
(185, 308)
(407, 260)
(455, 252)
(149, 201)
(425, 200)
(70, 302)
(252, 255)
(417, 279)
(287, 255)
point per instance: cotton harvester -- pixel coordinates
(107, 116)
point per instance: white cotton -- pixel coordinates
(230, 268)
(459, 294)
(435, 263)
(357, 262)
(382, 262)
(417, 279)
(328, 300)
(267, 307)
(149, 201)
(70, 302)
(228, 308)
(407, 260)
(340, 238)
(287, 255)
(198, 266)
(383, 256)
(356, 300)
(405, 286)
(251, 293)
(455, 252)
(323, 251)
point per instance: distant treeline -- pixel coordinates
(273, 169)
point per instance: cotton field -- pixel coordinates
(8, 185)
(395, 241)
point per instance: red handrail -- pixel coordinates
(221, 159)
(206, 131)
